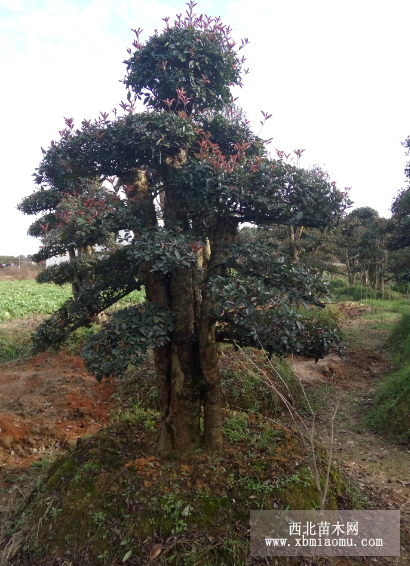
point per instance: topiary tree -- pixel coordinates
(70, 224)
(398, 230)
(190, 172)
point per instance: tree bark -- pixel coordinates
(372, 276)
(181, 387)
(185, 401)
(293, 249)
(224, 236)
(351, 275)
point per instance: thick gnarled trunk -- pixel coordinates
(177, 364)
(185, 400)
(187, 366)
(212, 398)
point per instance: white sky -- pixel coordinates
(332, 73)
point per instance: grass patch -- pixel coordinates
(15, 338)
(77, 338)
(364, 294)
(385, 324)
(14, 347)
(391, 411)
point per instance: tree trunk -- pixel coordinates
(157, 291)
(180, 378)
(185, 402)
(380, 279)
(187, 367)
(207, 346)
(372, 276)
(293, 249)
(351, 275)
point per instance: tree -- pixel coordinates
(70, 224)
(398, 229)
(190, 172)
(362, 239)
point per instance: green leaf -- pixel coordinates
(127, 556)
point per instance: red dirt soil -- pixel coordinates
(46, 404)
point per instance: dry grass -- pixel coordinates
(15, 337)
(16, 274)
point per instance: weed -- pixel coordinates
(235, 427)
(266, 440)
(76, 340)
(391, 411)
(177, 511)
(104, 557)
(99, 518)
(136, 414)
(54, 512)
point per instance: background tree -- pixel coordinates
(191, 172)
(363, 244)
(70, 225)
(398, 229)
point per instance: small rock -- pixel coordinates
(18, 450)
(6, 441)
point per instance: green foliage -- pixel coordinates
(77, 339)
(235, 427)
(148, 419)
(398, 266)
(363, 245)
(391, 411)
(22, 298)
(114, 281)
(126, 338)
(363, 293)
(14, 345)
(336, 284)
(194, 56)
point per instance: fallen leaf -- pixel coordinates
(253, 497)
(127, 556)
(155, 551)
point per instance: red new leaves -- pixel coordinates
(211, 153)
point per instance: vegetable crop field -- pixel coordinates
(22, 298)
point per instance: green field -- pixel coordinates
(22, 298)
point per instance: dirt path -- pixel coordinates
(379, 469)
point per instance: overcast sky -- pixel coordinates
(334, 74)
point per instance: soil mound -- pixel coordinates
(111, 497)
